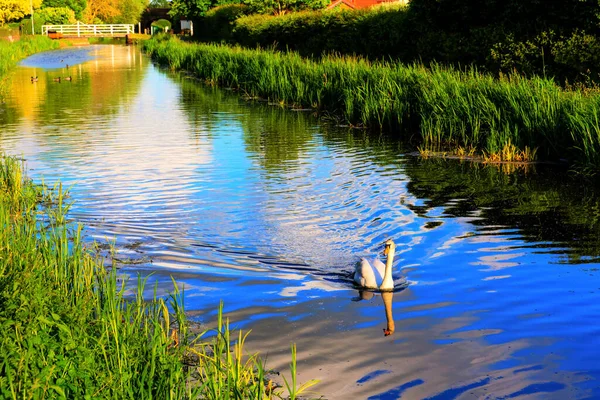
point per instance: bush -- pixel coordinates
(217, 23)
(162, 23)
(375, 32)
(57, 15)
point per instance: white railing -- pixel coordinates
(84, 30)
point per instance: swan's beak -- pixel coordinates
(386, 250)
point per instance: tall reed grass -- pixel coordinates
(70, 329)
(441, 106)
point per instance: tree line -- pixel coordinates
(69, 11)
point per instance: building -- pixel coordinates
(356, 4)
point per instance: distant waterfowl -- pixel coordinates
(34, 79)
(56, 79)
(376, 275)
(68, 78)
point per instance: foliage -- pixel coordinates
(103, 10)
(129, 11)
(11, 10)
(218, 22)
(159, 4)
(195, 8)
(315, 32)
(282, 6)
(446, 106)
(12, 53)
(555, 39)
(78, 6)
(56, 16)
(162, 23)
(71, 329)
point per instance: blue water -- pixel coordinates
(267, 209)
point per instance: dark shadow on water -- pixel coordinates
(549, 387)
(453, 393)
(373, 375)
(396, 392)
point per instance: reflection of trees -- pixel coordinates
(545, 208)
(277, 136)
(546, 211)
(98, 87)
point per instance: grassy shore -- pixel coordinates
(71, 329)
(506, 119)
(13, 52)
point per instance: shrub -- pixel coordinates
(56, 15)
(217, 23)
(375, 32)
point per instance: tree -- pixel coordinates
(78, 6)
(195, 8)
(160, 4)
(130, 11)
(11, 10)
(283, 6)
(100, 10)
(56, 15)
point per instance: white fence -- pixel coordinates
(84, 30)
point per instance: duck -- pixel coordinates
(68, 78)
(34, 79)
(376, 275)
(56, 79)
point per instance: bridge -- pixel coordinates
(84, 30)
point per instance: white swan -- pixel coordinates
(378, 275)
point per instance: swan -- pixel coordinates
(56, 79)
(68, 78)
(377, 275)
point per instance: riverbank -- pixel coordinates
(507, 118)
(13, 52)
(73, 328)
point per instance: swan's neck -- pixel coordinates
(387, 276)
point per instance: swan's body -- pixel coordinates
(376, 275)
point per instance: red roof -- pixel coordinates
(358, 3)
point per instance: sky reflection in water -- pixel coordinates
(267, 210)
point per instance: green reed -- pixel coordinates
(71, 329)
(443, 106)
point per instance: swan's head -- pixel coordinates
(387, 331)
(389, 245)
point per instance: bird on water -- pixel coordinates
(376, 275)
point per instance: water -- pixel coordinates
(267, 210)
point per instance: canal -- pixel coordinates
(267, 209)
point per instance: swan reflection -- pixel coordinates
(387, 298)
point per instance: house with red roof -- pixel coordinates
(356, 4)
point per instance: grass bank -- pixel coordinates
(441, 106)
(71, 329)
(13, 52)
